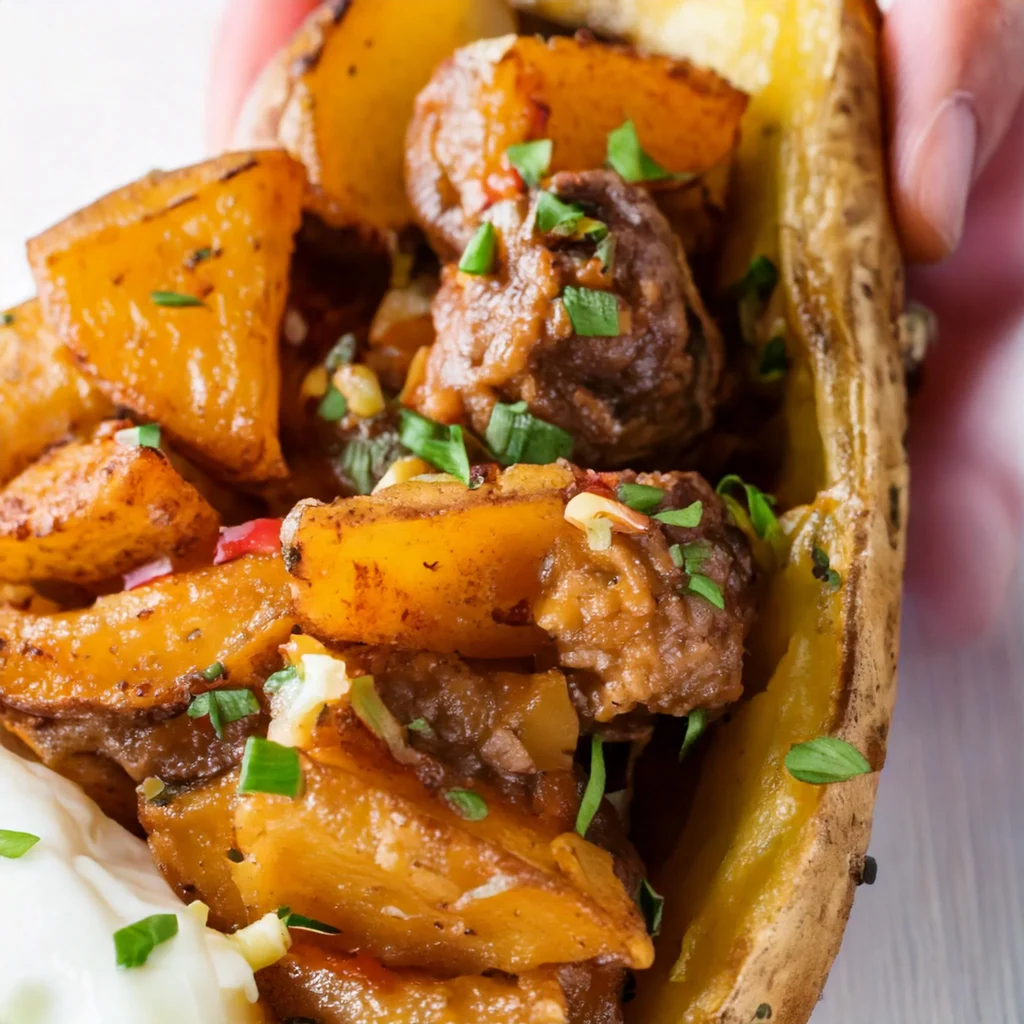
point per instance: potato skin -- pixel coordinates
(89, 511)
(220, 232)
(496, 93)
(44, 398)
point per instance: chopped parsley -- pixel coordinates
(531, 159)
(594, 792)
(516, 436)
(440, 445)
(174, 299)
(821, 568)
(593, 314)
(269, 767)
(640, 497)
(224, 706)
(467, 804)
(16, 844)
(135, 942)
(824, 760)
(478, 256)
(688, 517)
(628, 158)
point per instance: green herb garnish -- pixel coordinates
(531, 159)
(639, 497)
(774, 361)
(706, 588)
(467, 804)
(478, 256)
(280, 678)
(145, 436)
(224, 706)
(554, 215)
(761, 515)
(628, 158)
(688, 517)
(269, 767)
(594, 792)
(690, 557)
(759, 281)
(821, 568)
(593, 314)
(440, 445)
(363, 461)
(824, 760)
(421, 726)
(215, 671)
(606, 253)
(310, 924)
(696, 722)
(333, 405)
(197, 256)
(515, 435)
(135, 942)
(16, 844)
(174, 299)
(652, 906)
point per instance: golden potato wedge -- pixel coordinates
(43, 396)
(88, 511)
(314, 983)
(340, 95)
(190, 835)
(140, 650)
(498, 93)
(368, 849)
(427, 565)
(170, 292)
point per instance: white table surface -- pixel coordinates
(96, 92)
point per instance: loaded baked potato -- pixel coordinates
(472, 557)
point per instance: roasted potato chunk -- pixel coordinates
(429, 566)
(143, 650)
(43, 396)
(368, 849)
(89, 511)
(512, 335)
(497, 93)
(313, 983)
(339, 96)
(170, 292)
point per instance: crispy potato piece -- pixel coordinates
(92, 510)
(497, 93)
(219, 232)
(43, 396)
(369, 850)
(311, 982)
(340, 95)
(430, 566)
(140, 650)
(190, 836)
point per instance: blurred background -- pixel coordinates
(94, 94)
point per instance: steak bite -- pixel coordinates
(654, 614)
(594, 322)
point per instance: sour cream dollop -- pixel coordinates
(61, 903)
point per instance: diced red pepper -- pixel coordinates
(256, 537)
(147, 573)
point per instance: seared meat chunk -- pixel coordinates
(639, 622)
(509, 336)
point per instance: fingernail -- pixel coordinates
(940, 167)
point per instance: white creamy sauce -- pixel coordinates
(61, 903)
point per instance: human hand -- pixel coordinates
(954, 76)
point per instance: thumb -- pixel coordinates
(954, 75)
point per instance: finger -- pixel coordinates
(954, 76)
(250, 33)
(967, 422)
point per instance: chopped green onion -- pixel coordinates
(375, 715)
(364, 461)
(467, 804)
(706, 588)
(628, 158)
(652, 906)
(640, 497)
(515, 435)
(824, 760)
(343, 352)
(224, 706)
(690, 557)
(696, 721)
(759, 281)
(593, 314)
(310, 924)
(762, 518)
(215, 671)
(174, 299)
(606, 253)
(135, 942)
(269, 767)
(774, 361)
(421, 726)
(145, 436)
(595, 787)
(440, 445)
(333, 405)
(16, 844)
(822, 568)
(688, 517)
(6, 319)
(279, 678)
(554, 215)
(235, 856)
(478, 257)
(531, 159)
